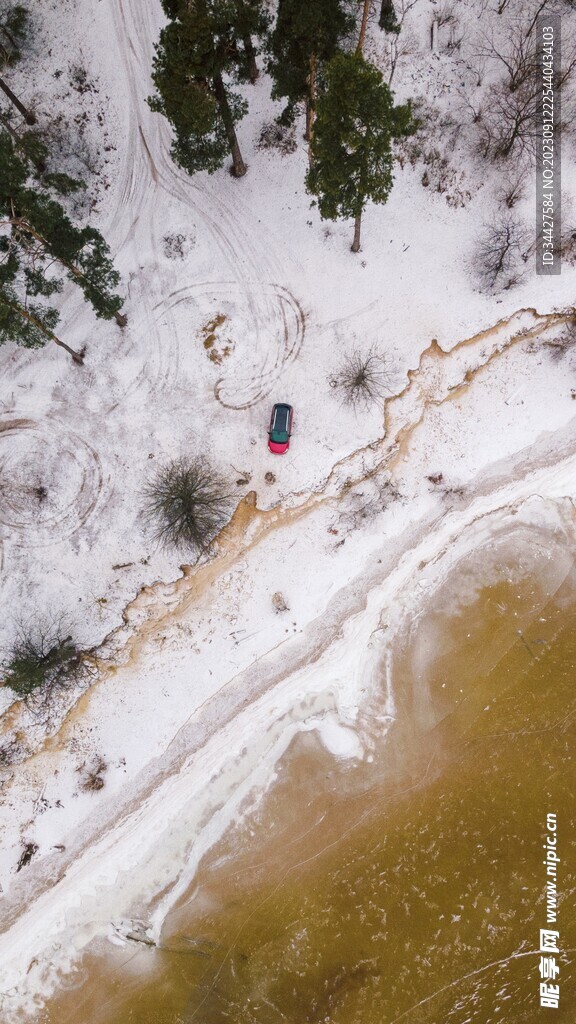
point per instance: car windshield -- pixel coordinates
(279, 431)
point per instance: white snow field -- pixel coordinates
(199, 683)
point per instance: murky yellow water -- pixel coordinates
(406, 890)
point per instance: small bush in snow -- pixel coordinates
(365, 503)
(277, 136)
(176, 246)
(42, 658)
(79, 79)
(93, 777)
(566, 342)
(499, 254)
(513, 187)
(10, 752)
(187, 503)
(363, 378)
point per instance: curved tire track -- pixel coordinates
(273, 309)
(280, 324)
(51, 480)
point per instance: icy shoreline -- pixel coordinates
(202, 683)
(123, 870)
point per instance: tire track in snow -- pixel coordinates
(274, 310)
(51, 481)
(284, 327)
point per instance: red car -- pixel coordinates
(280, 428)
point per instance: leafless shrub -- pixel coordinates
(567, 246)
(93, 777)
(365, 502)
(444, 32)
(445, 179)
(499, 252)
(401, 41)
(513, 188)
(11, 752)
(72, 150)
(176, 246)
(454, 42)
(363, 378)
(566, 342)
(478, 64)
(432, 148)
(400, 46)
(79, 79)
(187, 503)
(453, 494)
(23, 493)
(277, 136)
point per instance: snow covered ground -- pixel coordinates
(201, 682)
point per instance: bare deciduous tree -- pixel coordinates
(187, 503)
(508, 122)
(513, 49)
(508, 113)
(499, 253)
(363, 378)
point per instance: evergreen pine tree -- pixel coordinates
(251, 20)
(307, 33)
(352, 145)
(37, 236)
(203, 42)
(28, 142)
(14, 25)
(388, 20)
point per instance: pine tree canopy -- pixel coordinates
(13, 29)
(37, 236)
(15, 20)
(250, 19)
(388, 20)
(356, 124)
(198, 47)
(305, 28)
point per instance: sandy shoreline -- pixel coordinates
(124, 858)
(202, 685)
